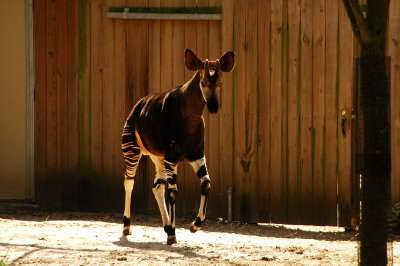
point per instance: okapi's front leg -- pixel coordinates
(171, 171)
(200, 168)
(166, 172)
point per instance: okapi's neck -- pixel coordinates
(193, 102)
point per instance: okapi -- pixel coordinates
(169, 127)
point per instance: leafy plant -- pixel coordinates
(4, 260)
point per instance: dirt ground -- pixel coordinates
(34, 236)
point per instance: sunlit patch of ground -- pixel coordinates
(86, 238)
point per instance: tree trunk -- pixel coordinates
(375, 194)
(370, 28)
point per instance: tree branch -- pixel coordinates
(358, 21)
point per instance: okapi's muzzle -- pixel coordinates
(213, 87)
(212, 104)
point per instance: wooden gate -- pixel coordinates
(277, 140)
(294, 79)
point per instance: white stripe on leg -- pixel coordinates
(202, 213)
(197, 164)
(159, 194)
(128, 184)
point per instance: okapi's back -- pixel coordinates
(160, 120)
(145, 119)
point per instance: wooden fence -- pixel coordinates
(277, 140)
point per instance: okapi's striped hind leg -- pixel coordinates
(132, 154)
(200, 168)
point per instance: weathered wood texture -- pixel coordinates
(303, 161)
(277, 140)
(393, 43)
(56, 100)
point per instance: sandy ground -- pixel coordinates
(70, 238)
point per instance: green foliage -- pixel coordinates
(4, 260)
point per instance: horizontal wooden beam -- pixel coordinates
(166, 13)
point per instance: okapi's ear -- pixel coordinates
(192, 61)
(227, 61)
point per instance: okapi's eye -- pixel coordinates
(203, 84)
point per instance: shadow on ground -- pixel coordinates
(187, 251)
(212, 225)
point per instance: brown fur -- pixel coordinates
(172, 120)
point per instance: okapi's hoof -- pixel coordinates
(171, 240)
(126, 232)
(194, 228)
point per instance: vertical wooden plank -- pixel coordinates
(154, 52)
(97, 87)
(84, 102)
(51, 75)
(345, 104)
(394, 53)
(251, 110)
(191, 195)
(119, 81)
(40, 34)
(190, 36)
(294, 72)
(306, 112)
(264, 83)
(62, 104)
(72, 101)
(331, 111)
(178, 39)
(242, 155)
(166, 50)
(285, 112)
(178, 78)
(318, 111)
(30, 101)
(227, 90)
(276, 110)
(217, 205)
(131, 67)
(108, 108)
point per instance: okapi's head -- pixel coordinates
(210, 75)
